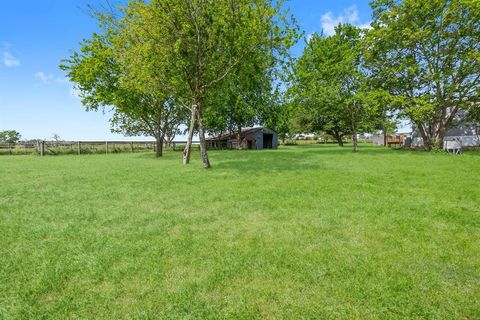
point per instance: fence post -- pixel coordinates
(78, 148)
(106, 147)
(131, 146)
(42, 148)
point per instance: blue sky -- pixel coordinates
(36, 99)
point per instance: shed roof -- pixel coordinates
(245, 132)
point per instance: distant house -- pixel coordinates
(398, 139)
(251, 138)
(467, 133)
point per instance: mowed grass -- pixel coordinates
(312, 232)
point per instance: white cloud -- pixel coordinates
(43, 77)
(9, 60)
(349, 15)
(48, 78)
(8, 57)
(62, 80)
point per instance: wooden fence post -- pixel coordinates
(106, 147)
(42, 148)
(131, 146)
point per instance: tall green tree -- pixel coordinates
(427, 53)
(329, 87)
(104, 76)
(277, 113)
(234, 104)
(240, 101)
(205, 41)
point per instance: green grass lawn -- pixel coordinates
(300, 232)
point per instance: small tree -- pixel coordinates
(10, 136)
(56, 137)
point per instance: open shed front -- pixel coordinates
(251, 139)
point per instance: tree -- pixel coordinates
(233, 105)
(56, 137)
(427, 53)
(10, 136)
(204, 41)
(278, 114)
(102, 72)
(330, 89)
(240, 100)
(321, 113)
(168, 125)
(474, 115)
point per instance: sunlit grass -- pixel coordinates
(300, 232)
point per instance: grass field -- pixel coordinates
(299, 232)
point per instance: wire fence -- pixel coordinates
(85, 147)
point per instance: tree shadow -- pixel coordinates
(348, 150)
(266, 160)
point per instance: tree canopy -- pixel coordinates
(10, 136)
(220, 66)
(427, 55)
(182, 53)
(104, 79)
(329, 84)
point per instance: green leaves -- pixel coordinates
(114, 70)
(426, 54)
(161, 57)
(329, 83)
(10, 136)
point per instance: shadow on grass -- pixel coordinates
(348, 150)
(282, 159)
(297, 158)
(286, 158)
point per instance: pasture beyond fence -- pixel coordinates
(43, 148)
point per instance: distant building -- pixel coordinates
(467, 133)
(251, 138)
(399, 139)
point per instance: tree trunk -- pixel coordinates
(203, 142)
(338, 137)
(384, 137)
(168, 142)
(188, 146)
(442, 131)
(427, 140)
(159, 146)
(239, 137)
(355, 141)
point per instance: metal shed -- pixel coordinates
(251, 138)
